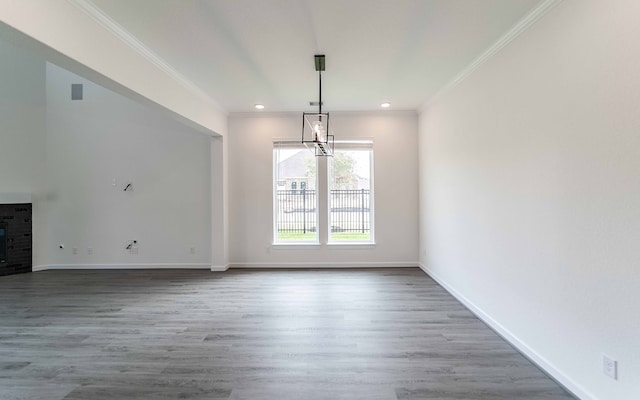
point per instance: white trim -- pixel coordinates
(129, 39)
(295, 245)
(334, 264)
(219, 268)
(372, 196)
(119, 266)
(289, 143)
(355, 144)
(520, 27)
(559, 376)
(349, 245)
(15, 198)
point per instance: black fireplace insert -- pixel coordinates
(3, 242)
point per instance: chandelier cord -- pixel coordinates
(320, 92)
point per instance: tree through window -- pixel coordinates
(351, 194)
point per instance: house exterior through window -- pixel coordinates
(295, 200)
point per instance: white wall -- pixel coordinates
(22, 119)
(22, 130)
(251, 190)
(219, 204)
(106, 136)
(530, 193)
(112, 58)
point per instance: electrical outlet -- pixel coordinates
(74, 250)
(192, 250)
(90, 251)
(609, 367)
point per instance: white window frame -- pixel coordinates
(277, 145)
(355, 145)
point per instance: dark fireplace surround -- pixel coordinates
(15, 239)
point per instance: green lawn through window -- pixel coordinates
(335, 236)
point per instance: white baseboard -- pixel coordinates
(222, 268)
(119, 266)
(555, 373)
(306, 265)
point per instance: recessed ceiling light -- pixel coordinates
(259, 106)
(385, 105)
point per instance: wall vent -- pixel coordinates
(76, 91)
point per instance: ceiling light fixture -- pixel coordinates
(259, 106)
(315, 126)
(385, 105)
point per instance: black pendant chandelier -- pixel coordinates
(315, 126)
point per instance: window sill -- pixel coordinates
(358, 245)
(294, 245)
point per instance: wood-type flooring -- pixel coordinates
(374, 334)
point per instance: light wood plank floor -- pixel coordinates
(376, 334)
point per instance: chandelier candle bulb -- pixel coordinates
(318, 131)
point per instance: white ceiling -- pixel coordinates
(242, 52)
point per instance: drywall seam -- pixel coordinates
(520, 27)
(533, 356)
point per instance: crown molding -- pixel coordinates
(126, 37)
(134, 43)
(520, 27)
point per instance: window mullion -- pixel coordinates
(323, 199)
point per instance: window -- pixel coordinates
(351, 193)
(295, 200)
(344, 211)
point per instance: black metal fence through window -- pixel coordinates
(350, 210)
(296, 211)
